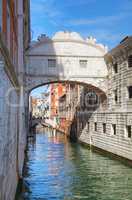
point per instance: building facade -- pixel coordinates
(14, 39)
(40, 106)
(56, 91)
(102, 120)
(111, 130)
(71, 58)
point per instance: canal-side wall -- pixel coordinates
(13, 133)
(112, 130)
(119, 143)
(8, 137)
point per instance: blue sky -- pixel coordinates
(38, 91)
(107, 20)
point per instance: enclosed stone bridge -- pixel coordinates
(36, 121)
(66, 57)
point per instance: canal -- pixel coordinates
(56, 169)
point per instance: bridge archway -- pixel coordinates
(66, 57)
(101, 95)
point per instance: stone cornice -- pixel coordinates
(61, 76)
(71, 56)
(122, 50)
(9, 68)
(97, 46)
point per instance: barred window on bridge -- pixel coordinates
(83, 63)
(51, 62)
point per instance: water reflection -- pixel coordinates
(56, 169)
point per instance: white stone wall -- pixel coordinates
(118, 144)
(8, 138)
(119, 113)
(67, 49)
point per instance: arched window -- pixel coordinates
(91, 99)
(130, 61)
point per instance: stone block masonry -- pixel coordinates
(114, 126)
(8, 138)
(117, 143)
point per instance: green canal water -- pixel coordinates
(56, 169)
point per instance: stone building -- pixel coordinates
(76, 106)
(67, 105)
(40, 106)
(111, 129)
(62, 112)
(14, 39)
(103, 120)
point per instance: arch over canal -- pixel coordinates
(66, 57)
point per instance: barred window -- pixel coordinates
(83, 63)
(116, 96)
(51, 63)
(130, 61)
(130, 92)
(129, 131)
(113, 129)
(104, 127)
(95, 126)
(88, 126)
(115, 68)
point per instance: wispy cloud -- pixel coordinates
(107, 37)
(89, 17)
(105, 20)
(44, 8)
(71, 3)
